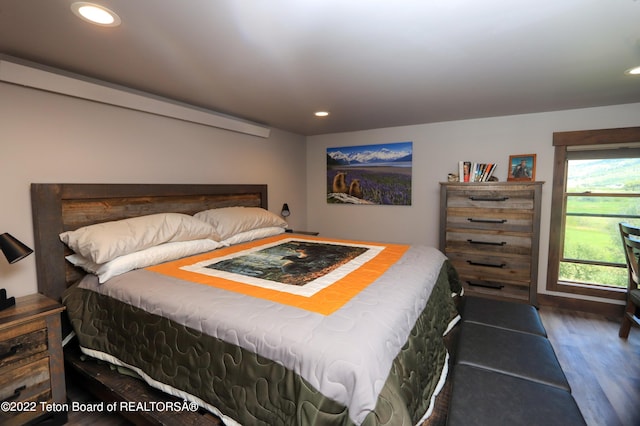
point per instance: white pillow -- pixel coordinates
(230, 221)
(143, 258)
(254, 234)
(103, 242)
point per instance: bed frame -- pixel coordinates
(63, 207)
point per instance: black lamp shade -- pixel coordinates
(13, 249)
(285, 210)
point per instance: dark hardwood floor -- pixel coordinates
(603, 370)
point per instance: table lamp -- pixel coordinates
(14, 250)
(285, 212)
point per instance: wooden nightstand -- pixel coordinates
(32, 382)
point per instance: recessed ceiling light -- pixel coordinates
(633, 71)
(95, 14)
(321, 114)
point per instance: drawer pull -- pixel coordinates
(472, 198)
(16, 394)
(489, 243)
(470, 219)
(486, 285)
(490, 265)
(11, 351)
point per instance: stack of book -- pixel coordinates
(475, 172)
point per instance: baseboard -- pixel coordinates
(608, 310)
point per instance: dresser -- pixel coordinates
(490, 233)
(32, 382)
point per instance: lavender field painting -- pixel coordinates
(370, 174)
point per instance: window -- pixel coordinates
(601, 190)
(596, 185)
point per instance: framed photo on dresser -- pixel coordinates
(522, 167)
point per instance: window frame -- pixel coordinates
(564, 142)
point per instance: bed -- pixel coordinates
(363, 346)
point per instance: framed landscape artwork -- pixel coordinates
(522, 167)
(370, 174)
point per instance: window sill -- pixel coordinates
(590, 290)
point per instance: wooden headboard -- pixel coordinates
(64, 207)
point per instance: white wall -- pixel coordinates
(50, 138)
(437, 148)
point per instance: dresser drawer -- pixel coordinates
(490, 219)
(483, 267)
(478, 241)
(490, 198)
(496, 290)
(25, 387)
(18, 343)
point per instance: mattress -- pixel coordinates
(255, 353)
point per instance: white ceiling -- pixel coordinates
(371, 63)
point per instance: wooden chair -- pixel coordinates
(631, 243)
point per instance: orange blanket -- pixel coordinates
(326, 300)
